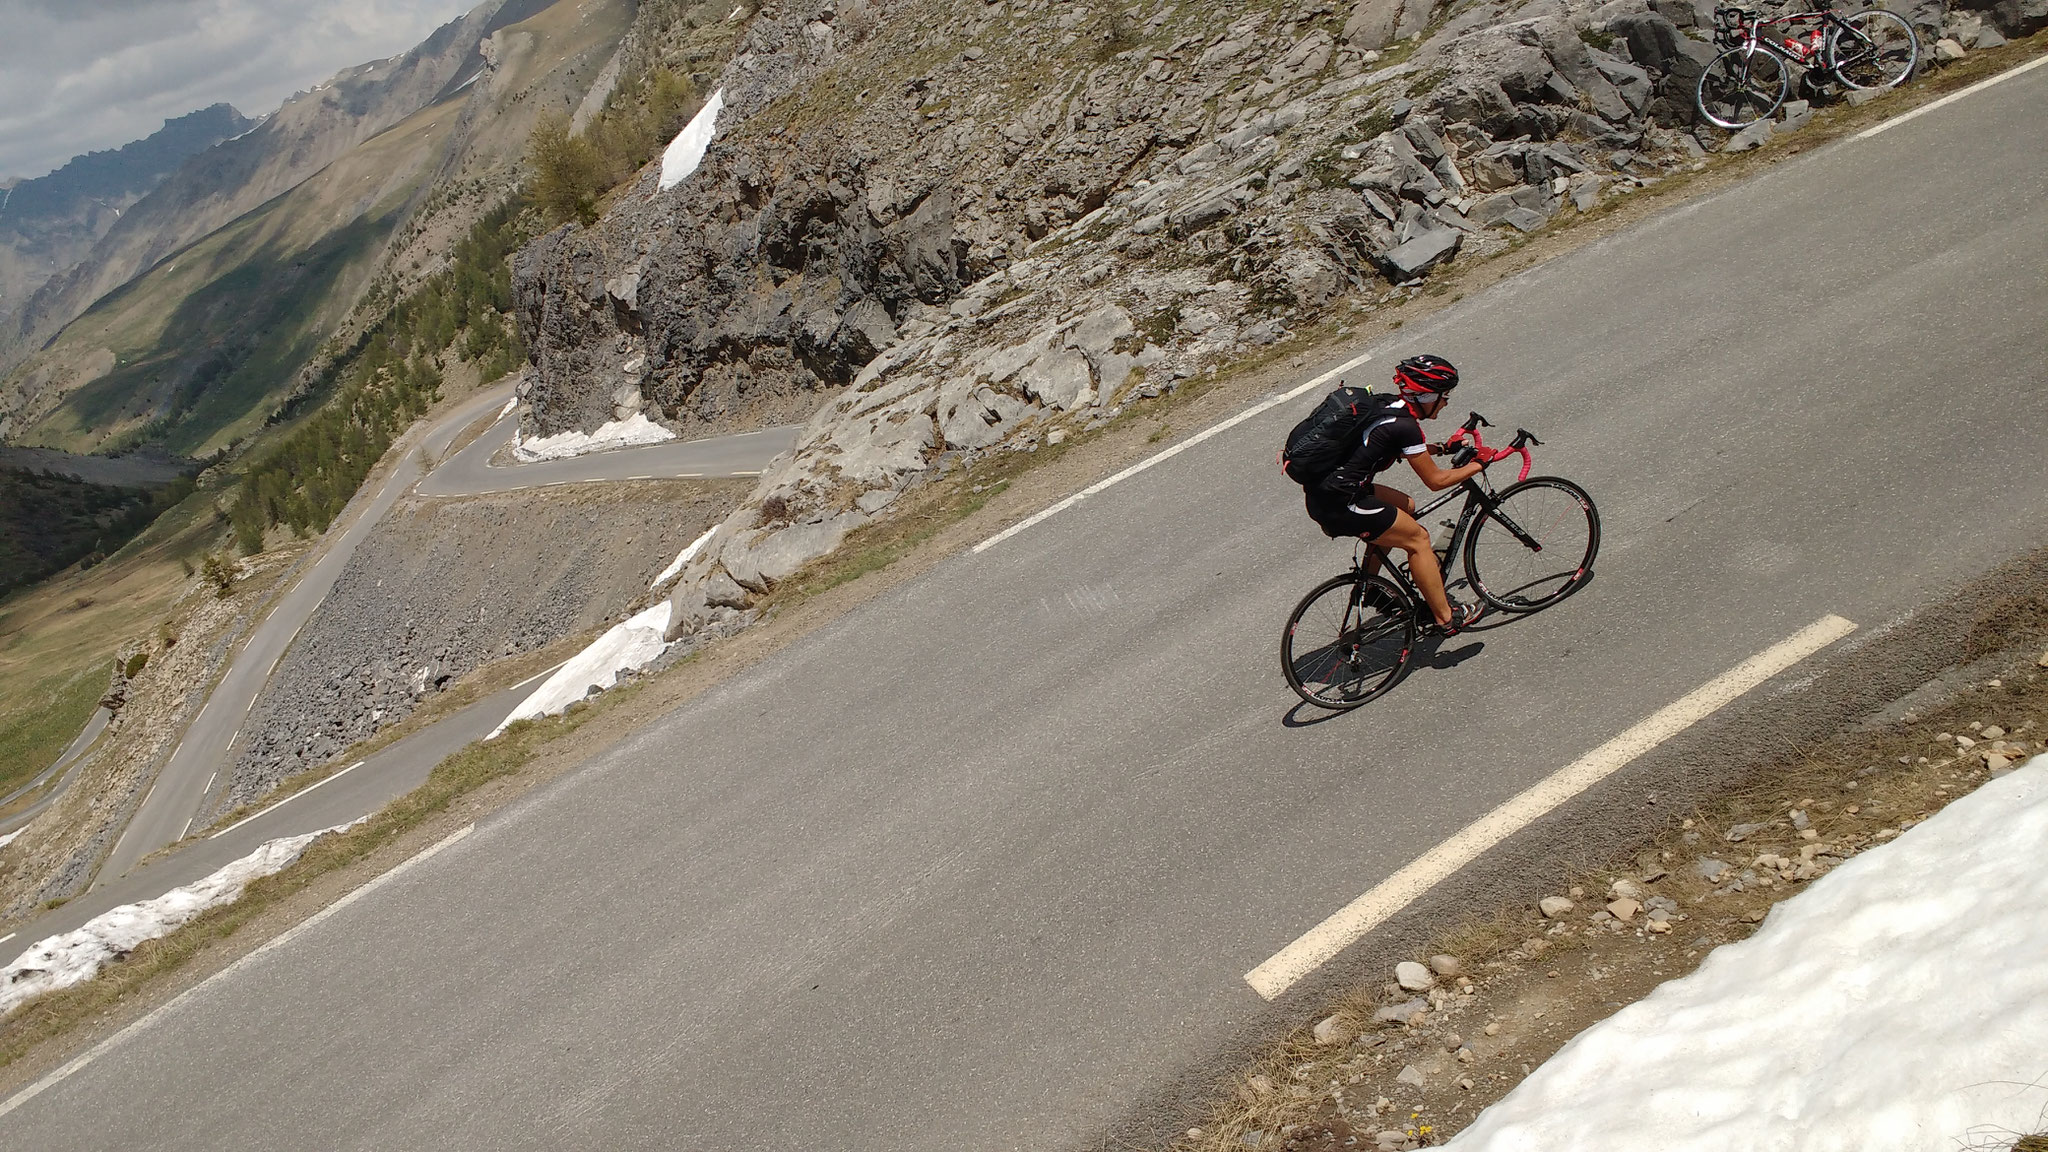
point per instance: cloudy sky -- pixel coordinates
(79, 75)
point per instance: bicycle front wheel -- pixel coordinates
(1347, 641)
(1876, 50)
(1535, 546)
(1741, 87)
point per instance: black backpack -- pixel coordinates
(1322, 442)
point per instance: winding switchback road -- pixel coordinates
(985, 863)
(183, 786)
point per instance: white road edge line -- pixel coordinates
(6, 938)
(1951, 98)
(108, 1045)
(1168, 454)
(1354, 920)
(286, 800)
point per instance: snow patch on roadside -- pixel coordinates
(686, 151)
(1900, 1003)
(636, 431)
(669, 573)
(77, 956)
(631, 643)
(9, 838)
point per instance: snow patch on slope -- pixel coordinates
(76, 956)
(1899, 1003)
(636, 431)
(686, 151)
(631, 643)
(669, 573)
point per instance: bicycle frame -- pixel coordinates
(1746, 31)
(1478, 491)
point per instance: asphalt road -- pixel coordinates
(187, 780)
(469, 472)
(983, 863)
(364, 787)
(94, 725)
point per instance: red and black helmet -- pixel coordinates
(1425, 374)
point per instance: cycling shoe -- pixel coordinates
(1463, 616)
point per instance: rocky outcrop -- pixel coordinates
(947, 230)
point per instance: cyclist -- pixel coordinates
(1348, 503)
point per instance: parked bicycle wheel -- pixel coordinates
(1877, 50)
(1741, 87)
(1347, 641)
(1534, 546)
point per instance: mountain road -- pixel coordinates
(983, 864)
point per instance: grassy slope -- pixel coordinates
(50, 713)
(58, 639)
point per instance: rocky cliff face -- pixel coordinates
(222, 183)
(946, 229)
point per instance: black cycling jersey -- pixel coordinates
(1391, 433)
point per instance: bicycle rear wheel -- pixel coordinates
(1347, 641)
(1876, 50)
(1535, 546)
(1741, 87)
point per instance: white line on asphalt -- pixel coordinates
(1951, 98)
(639, 477)
(285, 801)
(755, 472)
(1396, 892)
(108, 1045)
(185, 829)
(1170, 453)
(6, 938)
(689, 476)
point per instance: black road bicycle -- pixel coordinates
(1749, 80)
(1525, 547)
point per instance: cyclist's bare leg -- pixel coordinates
(1374, 554)
(1412, 538)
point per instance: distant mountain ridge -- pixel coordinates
(302, 231)
(237, 175)
(50, 223)
(130, 170)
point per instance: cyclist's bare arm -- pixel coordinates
(1437, 479)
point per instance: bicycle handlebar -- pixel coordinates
(1475, 446)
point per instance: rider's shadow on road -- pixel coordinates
(1429, 654)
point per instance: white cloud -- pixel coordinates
(80, 75)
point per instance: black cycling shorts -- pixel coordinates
(1365, 516)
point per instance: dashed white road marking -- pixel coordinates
(1951, 98)
(1170, 453)
(1325, 940)
(110, 1043)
